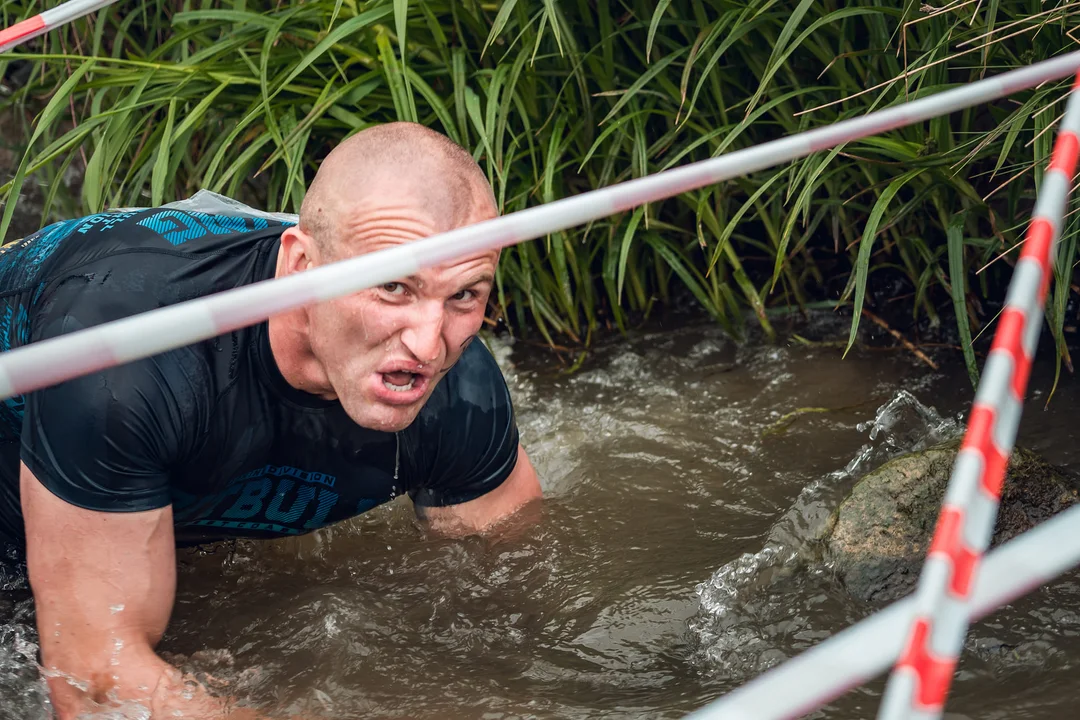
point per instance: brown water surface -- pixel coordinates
(662, 572)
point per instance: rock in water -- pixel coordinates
(880, 533)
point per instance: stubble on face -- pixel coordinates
(403, 337)
(362, 349)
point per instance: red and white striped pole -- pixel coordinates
(857, 654)
(920, 681)
(48, 20)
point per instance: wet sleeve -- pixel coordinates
(105, 441)
(468, 436)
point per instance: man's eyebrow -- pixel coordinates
(486, 277)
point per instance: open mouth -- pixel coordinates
(397, 385)
(399, 381)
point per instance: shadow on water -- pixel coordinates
(668, 564)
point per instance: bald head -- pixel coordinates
(409, 161)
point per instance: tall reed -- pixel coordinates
(155, 100)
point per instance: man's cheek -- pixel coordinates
(385, 323)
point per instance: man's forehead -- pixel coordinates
(477, 264)
(378, 240)
(411, 212)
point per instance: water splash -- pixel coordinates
(23, 692)
(753, 611)
(905, 425)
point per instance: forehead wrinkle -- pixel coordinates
(383, 225)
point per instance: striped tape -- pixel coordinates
(856, 655)
(48, 20)
(920, 681)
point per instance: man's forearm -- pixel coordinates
(519, 491)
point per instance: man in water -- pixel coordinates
(278, 429)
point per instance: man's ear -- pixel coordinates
(298, 251)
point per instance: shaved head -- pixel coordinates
(381, 351)
(415, 163)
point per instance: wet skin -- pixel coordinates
(381, 352)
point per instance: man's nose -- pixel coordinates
(423, 336)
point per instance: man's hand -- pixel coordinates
(512, 496)
(103, 586)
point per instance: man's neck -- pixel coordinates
(291, 352)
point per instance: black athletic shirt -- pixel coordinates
(213, 428)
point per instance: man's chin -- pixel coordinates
(384, 418)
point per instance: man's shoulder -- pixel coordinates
(153, 256)
(161, 227)
(173, 225)
(472, 396)
(65, 247)
(476, 381)
(465, 441)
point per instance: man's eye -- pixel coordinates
(394, 288)
(464, 295)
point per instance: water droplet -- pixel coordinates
(116, 608)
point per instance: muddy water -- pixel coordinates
(666, 567)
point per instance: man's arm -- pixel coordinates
(103, 586)
(521, 488)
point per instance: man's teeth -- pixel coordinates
(400, 388)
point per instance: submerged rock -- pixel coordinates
(878, 537)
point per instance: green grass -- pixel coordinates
(556, 98)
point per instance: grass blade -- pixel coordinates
(628, 236)
(401, 24)
(499, 23)
(862, 263)
(955, 239)
(57, 103)
(161, 165)
(658, 14)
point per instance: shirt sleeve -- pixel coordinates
(464, 443)
(105, 441)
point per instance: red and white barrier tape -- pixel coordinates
(919, 684)
(58, 359)
(859, 653)
(923, 674)
(48, 20)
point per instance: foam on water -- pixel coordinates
(767, 606)
(660, 465)
(774, 588)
